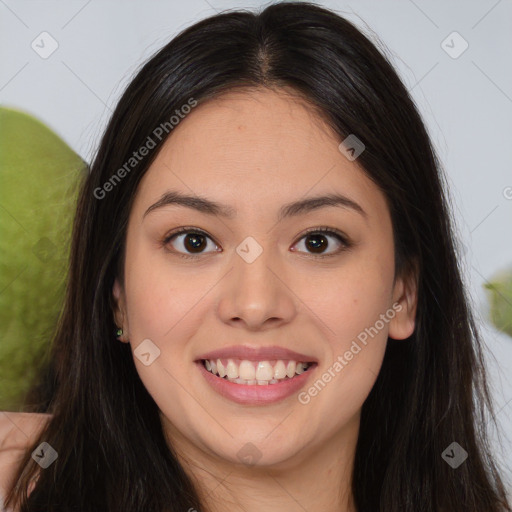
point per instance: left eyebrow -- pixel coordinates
(300, 207)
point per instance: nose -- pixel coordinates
(256, 295)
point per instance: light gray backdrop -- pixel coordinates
(454, 57)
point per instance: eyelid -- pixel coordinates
(328, 230)
(186, 229)
(342, 238)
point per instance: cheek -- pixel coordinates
(161, 299)
(165, 307)
(350, 300)
(355, 309)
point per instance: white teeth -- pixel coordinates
(247, 370)
(290, 369)
(220, 368)
(279, 370)
(232, 369)
(300, 368)
(264, 372)
(251, 373)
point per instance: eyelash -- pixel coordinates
(323, 230)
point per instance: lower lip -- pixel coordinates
(256, 394)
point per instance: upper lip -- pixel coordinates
(257, 354)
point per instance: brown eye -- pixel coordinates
(189, 242)
(317, 242)
(194, 242)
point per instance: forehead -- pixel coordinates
(256, 146)
(255, 126)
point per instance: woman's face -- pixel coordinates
(255, 279)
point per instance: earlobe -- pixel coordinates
(405, 300)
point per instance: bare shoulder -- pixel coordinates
(17, 431)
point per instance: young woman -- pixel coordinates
(264, 309)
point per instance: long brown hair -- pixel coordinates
(431, 391)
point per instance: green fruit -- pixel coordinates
(500, 297)
(39, 178)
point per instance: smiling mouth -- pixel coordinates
(260, 373)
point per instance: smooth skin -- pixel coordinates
(254, 151)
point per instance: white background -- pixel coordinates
(465, 101)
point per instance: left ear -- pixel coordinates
(119, 307)
(405, 300)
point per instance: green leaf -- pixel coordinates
(499, 291)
